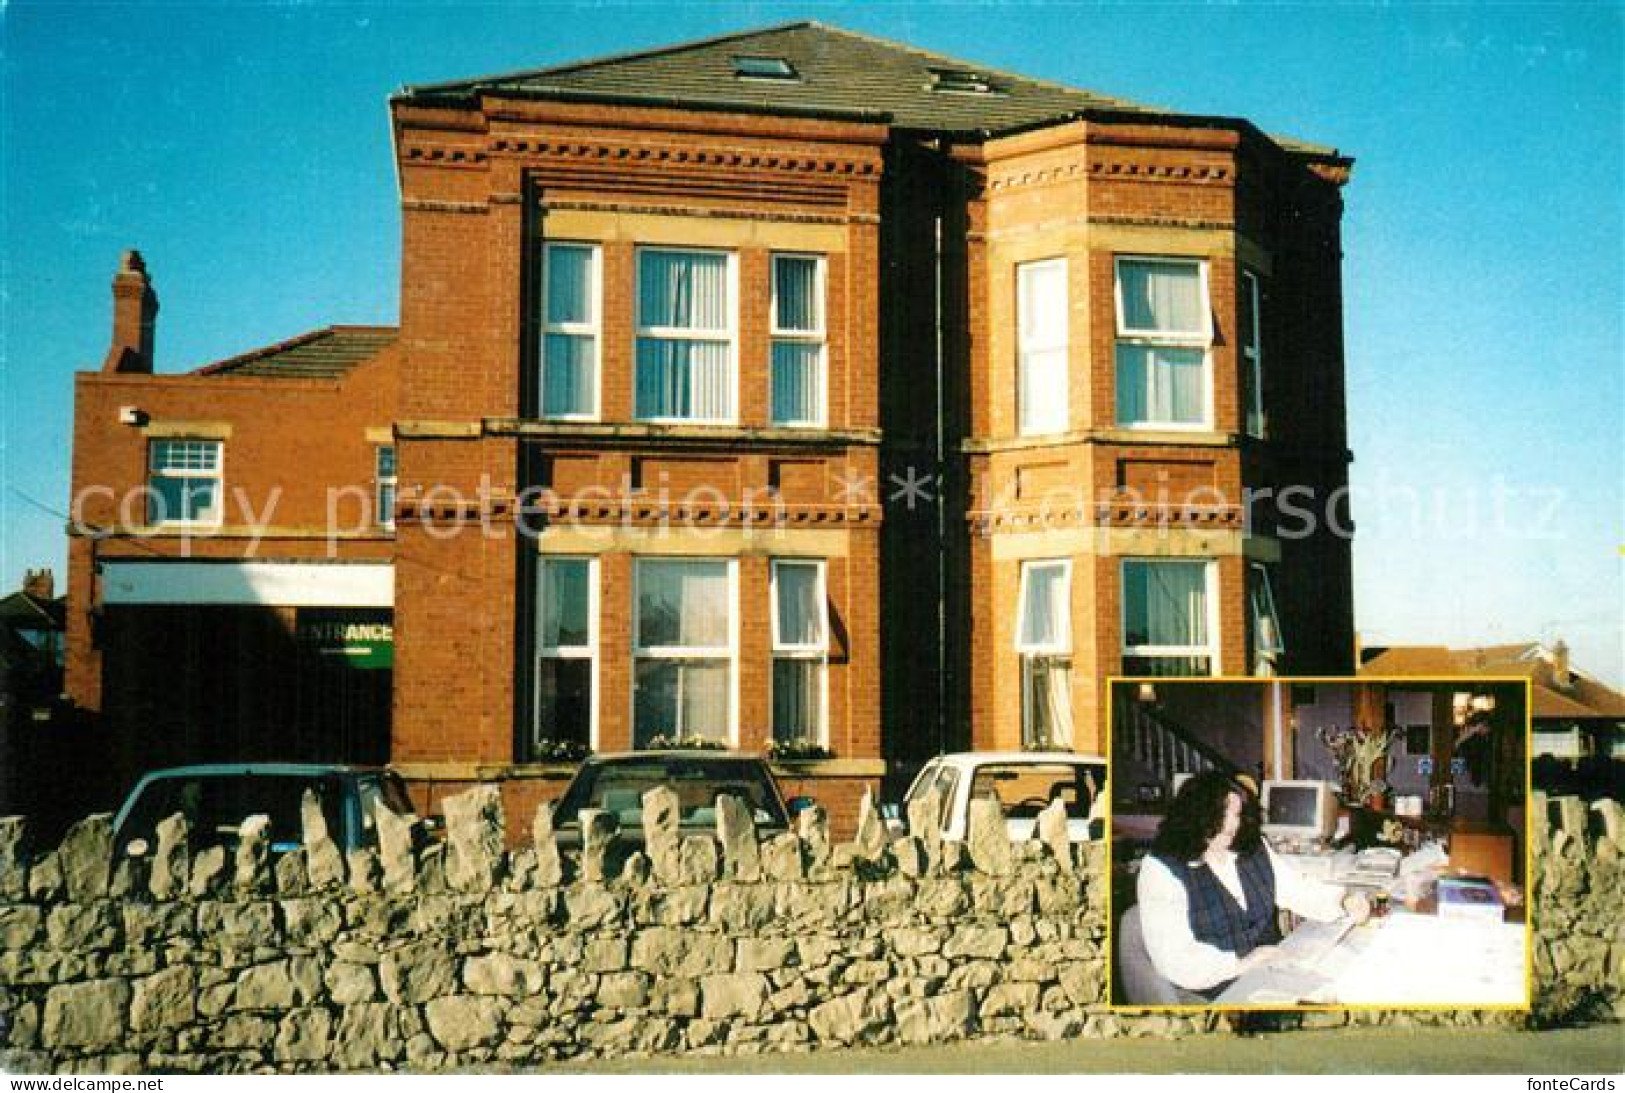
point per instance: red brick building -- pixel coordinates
(790, 385)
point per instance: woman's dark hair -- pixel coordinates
(1197, 814)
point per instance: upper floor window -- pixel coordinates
(1252, 357)
(1268, 645)
(384, 485)
(1168, 623)
(1164, 329)
(798, 340)
(686, 322)
(1041, 334)
(683, 647)
(800, 651)
(1044, 642)
(570, 333)
(184, 482)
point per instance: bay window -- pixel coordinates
(1164, 330)
(1044, 643)
(183, 482)
(1169, 617)
(566, 650)
(798, 340)
(1252, 358)
(570, 334)
(1268, 645)
(685, 335)
(800, 651)
(683, 648)
(1041, 332)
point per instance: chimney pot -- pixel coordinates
(40, 584)
(135, 313)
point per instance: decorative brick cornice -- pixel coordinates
(1109, 514)
(728, 159)
(423, 205)
(455, 155)
(1201, 174)
(546, 201)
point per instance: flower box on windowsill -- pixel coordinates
(828, 768)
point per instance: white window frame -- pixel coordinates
(1262, 573)
(1027, 344)
(1029, 651)
(1201, 339)
(693, 334)
(592, 329)
(1253, 421)
(818, 337)
(589, 651)
(218, 474)
(384, 514)
(686, 652)
(1210, 590)
(817, 652)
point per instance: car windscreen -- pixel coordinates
(618, 788)
(1023, 790)
(216, 805)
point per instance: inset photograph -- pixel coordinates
(1279, 842)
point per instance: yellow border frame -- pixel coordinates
(1331, 1007)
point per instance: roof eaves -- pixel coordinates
(725, 106)
(231, 364)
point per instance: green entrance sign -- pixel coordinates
(357, 639)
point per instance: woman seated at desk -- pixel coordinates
(1210, 889)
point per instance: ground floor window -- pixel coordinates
(1268, 645)
(684, 650)
(800, 652)
(1044, 643)
(1168, 628)
(566, 659)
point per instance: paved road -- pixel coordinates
(1595, 1051)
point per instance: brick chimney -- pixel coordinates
(1560, 665)
(135, 308)
(40, 584)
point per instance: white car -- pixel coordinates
(1023, 782)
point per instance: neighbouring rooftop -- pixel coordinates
(326, 354)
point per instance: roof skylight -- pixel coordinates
(963, 81)
(764, 68)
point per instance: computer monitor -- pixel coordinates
(1298, 810)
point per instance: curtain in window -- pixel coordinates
(1048, 701)
(1041, 331)
(1165, 604)
(564, 604)
(683, 377)
(683, 289)
(801, 615)
(569, 285)
(798, 697)
(678, 697)
(798, 381)
(1044, 611)
(795, 282)
(683, 604)
(1161, 296)
(1159, 384)
(567, 377)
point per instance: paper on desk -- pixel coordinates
(1422, 959)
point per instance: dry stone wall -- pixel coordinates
(469, 956)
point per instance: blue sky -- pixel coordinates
(244, 148)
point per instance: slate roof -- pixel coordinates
(1577, 697)
(839, 73)
(326, 354)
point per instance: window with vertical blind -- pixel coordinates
(800, 652)
(685, 335)
(1164, 330)
(1250, 324)
(1041, 334)
(798, 383)
(1268, 644)
(183, 482)
(570, 330)
(1044, 643)
(683, 649)
(566, 650)
(1169, 628)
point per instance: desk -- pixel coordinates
(1403, 959)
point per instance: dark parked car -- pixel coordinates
(616, 784)
(217, 798)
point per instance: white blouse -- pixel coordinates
(1165, 917)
